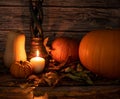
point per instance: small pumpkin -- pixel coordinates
(15, 48)
(64, 47)
(21, 69)
(99, 51)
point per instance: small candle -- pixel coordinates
(38, 63)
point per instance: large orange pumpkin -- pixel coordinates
(63, 48)
(99, 51)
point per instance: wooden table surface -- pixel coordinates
(11, 88)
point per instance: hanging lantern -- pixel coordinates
(36, 29)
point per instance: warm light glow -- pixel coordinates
(37, 62)
(37, 53)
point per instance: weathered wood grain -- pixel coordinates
(83, 3)
(78, 92)
(61, 19)
(81, 92)
(15, 93)
(66, 3)
(14, 18)
(10, 89)
(80, 19)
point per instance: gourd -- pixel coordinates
(64, 48)
(21, 69)
(15, 48)
(99, 51)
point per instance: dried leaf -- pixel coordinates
(45, 96)
(45, 44)
(33, 77)
(79, 67)
(59, 66)
(36, 80)
(45, 41)
(24, 85)
(51, 78)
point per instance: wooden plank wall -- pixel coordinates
(61, 17)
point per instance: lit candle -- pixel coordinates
(38, 63)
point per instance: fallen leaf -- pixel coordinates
(45, 96)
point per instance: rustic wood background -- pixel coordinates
(73, 18)
(61, 17)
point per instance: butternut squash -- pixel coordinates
(15, 48)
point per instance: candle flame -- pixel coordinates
(37, 53)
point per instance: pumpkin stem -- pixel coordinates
(21, 62)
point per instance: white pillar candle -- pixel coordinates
(38, 63)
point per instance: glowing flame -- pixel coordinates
(37, 53)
